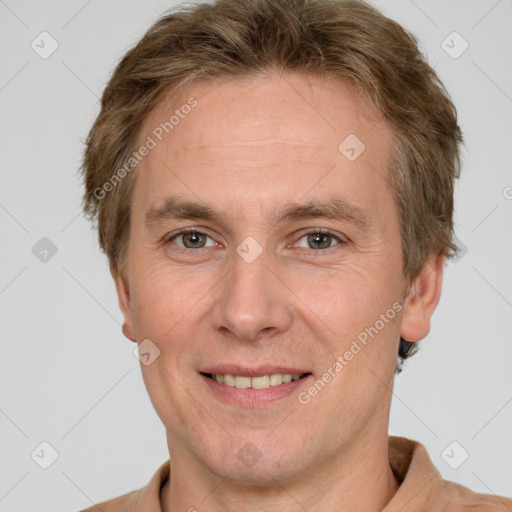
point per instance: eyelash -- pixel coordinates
(340, 240)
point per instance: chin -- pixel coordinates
(254, 460)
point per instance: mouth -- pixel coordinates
(264, 381)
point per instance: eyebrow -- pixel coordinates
(337, 208)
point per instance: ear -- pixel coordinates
(422, 299)
(123, 296)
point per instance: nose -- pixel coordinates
(252, 301)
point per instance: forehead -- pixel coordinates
(306, 109)
(269, 136)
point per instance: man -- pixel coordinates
(273, 185)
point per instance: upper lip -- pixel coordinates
(254, 371)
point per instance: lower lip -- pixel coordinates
(250, 397)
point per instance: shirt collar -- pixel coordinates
(418, 477)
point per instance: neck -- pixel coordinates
(360, 479)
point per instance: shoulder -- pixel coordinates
(423, 488)
(146, 499)
(455, 497)
(125, 503)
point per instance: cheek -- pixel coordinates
(343, 311)
(360, 310)
(167, 307)
(348, 298)
(164, 299)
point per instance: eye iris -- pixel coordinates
(316, 239)
(195, 240)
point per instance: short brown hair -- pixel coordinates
(332, 38)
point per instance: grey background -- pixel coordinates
(67, 374)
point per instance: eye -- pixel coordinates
(191, 239)
(313, 239)
(318, 239)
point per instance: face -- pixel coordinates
(260, 248)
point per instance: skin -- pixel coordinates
(249, 147)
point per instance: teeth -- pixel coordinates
(229, 380)
(242, 382)
(260, 382)
(276, 379)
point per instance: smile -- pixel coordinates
(256, 382)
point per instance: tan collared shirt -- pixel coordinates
(422, 488)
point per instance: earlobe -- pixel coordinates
(422, 299)
(128, 333)
(123, 296)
